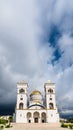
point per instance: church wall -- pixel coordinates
(24, 101)
(48, 97)
(21, 116)
(52, 116)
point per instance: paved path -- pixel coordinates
(36, 127)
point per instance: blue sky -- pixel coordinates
(36, 44)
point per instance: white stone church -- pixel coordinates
(36, 111)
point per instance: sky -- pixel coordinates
(36, 45)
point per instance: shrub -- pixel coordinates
(70, 126)
(1, 127)
(10, 119)
(3, 121)
(7, 126)
(64, 125)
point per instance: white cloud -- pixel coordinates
(25, 51)
(65, 45)
(59, 13)
(22, 57)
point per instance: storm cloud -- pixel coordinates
(36, 44)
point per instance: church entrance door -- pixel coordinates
(36, 120)
(36, 117)
(43, 117)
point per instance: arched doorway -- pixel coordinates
(43, 117)
(29, 117)
(36, 117)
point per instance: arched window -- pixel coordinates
(50, 99)
(36, 117)
(28, 115)
(43, 114)
(43, 117)
(21, 98)
(21, 90)
(50, 90)
(51, 106)
(36, 114)
(21, 106)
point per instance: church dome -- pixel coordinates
(35, 92)
(36, 97)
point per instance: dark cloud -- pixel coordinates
(36, 44)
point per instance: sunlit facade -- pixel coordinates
(36, 111)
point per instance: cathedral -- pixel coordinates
(36, 111)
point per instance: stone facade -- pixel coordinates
(36, 112)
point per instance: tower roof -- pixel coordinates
(22, 83)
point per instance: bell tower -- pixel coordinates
(21, 106)
(22, 89)
(52, 113)
(50, 95)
